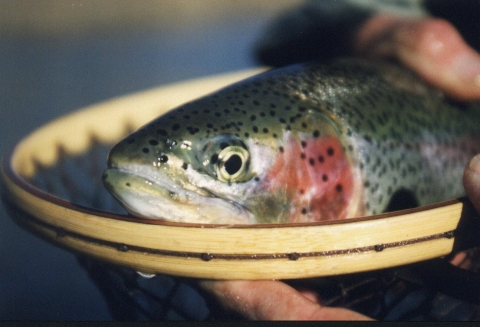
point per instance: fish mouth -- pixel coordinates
(147, 194)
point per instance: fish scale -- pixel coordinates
(255, 151)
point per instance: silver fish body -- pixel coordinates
(308, 142)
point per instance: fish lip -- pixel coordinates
(205, 194)
(139, 174)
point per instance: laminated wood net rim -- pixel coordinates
(281, 251)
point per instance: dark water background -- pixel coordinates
(42, 78)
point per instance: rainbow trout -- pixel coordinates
(304, 143)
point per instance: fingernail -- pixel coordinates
(468, 67)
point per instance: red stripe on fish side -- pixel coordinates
(317, 177)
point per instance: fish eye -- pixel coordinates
(232, 164)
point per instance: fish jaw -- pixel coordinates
(148, 194)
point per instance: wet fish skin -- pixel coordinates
(307, 142)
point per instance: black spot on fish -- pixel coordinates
(253, 117)
(265, 130)
(324, 178)
(214, 158)
(185, 165)
(163, 158)
(316, 133)
(303, 156)
(127, 184)
(145, 150)
(194, 131)
(274, 135)
(162, 132)
(330, 152)
(272, 105)
(153, 142)
(281, 149)
(175, 127)
(257, 179)
(304, 144)
(246, 134)
(217, 114)
(186, 116)
(321, 159)
(339, 188)
(304, 211)
(262, 114)
(255, 102)
(255, 129)
(210, 125)
(311, 161)
(272, 113)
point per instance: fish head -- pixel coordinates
(239, 156)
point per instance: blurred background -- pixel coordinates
(59, 56)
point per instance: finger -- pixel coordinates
(431, 47)
(471, 181)
(273, 300)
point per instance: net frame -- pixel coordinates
(201, 250)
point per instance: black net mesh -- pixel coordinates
(433, 290)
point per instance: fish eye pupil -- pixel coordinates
(233, 164)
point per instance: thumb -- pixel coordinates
(471, 181)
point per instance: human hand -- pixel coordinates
(274, 300)
(431, 47)
(437, 52)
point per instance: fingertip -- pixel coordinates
(471, 181)
(473, 169)
(467, 68)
